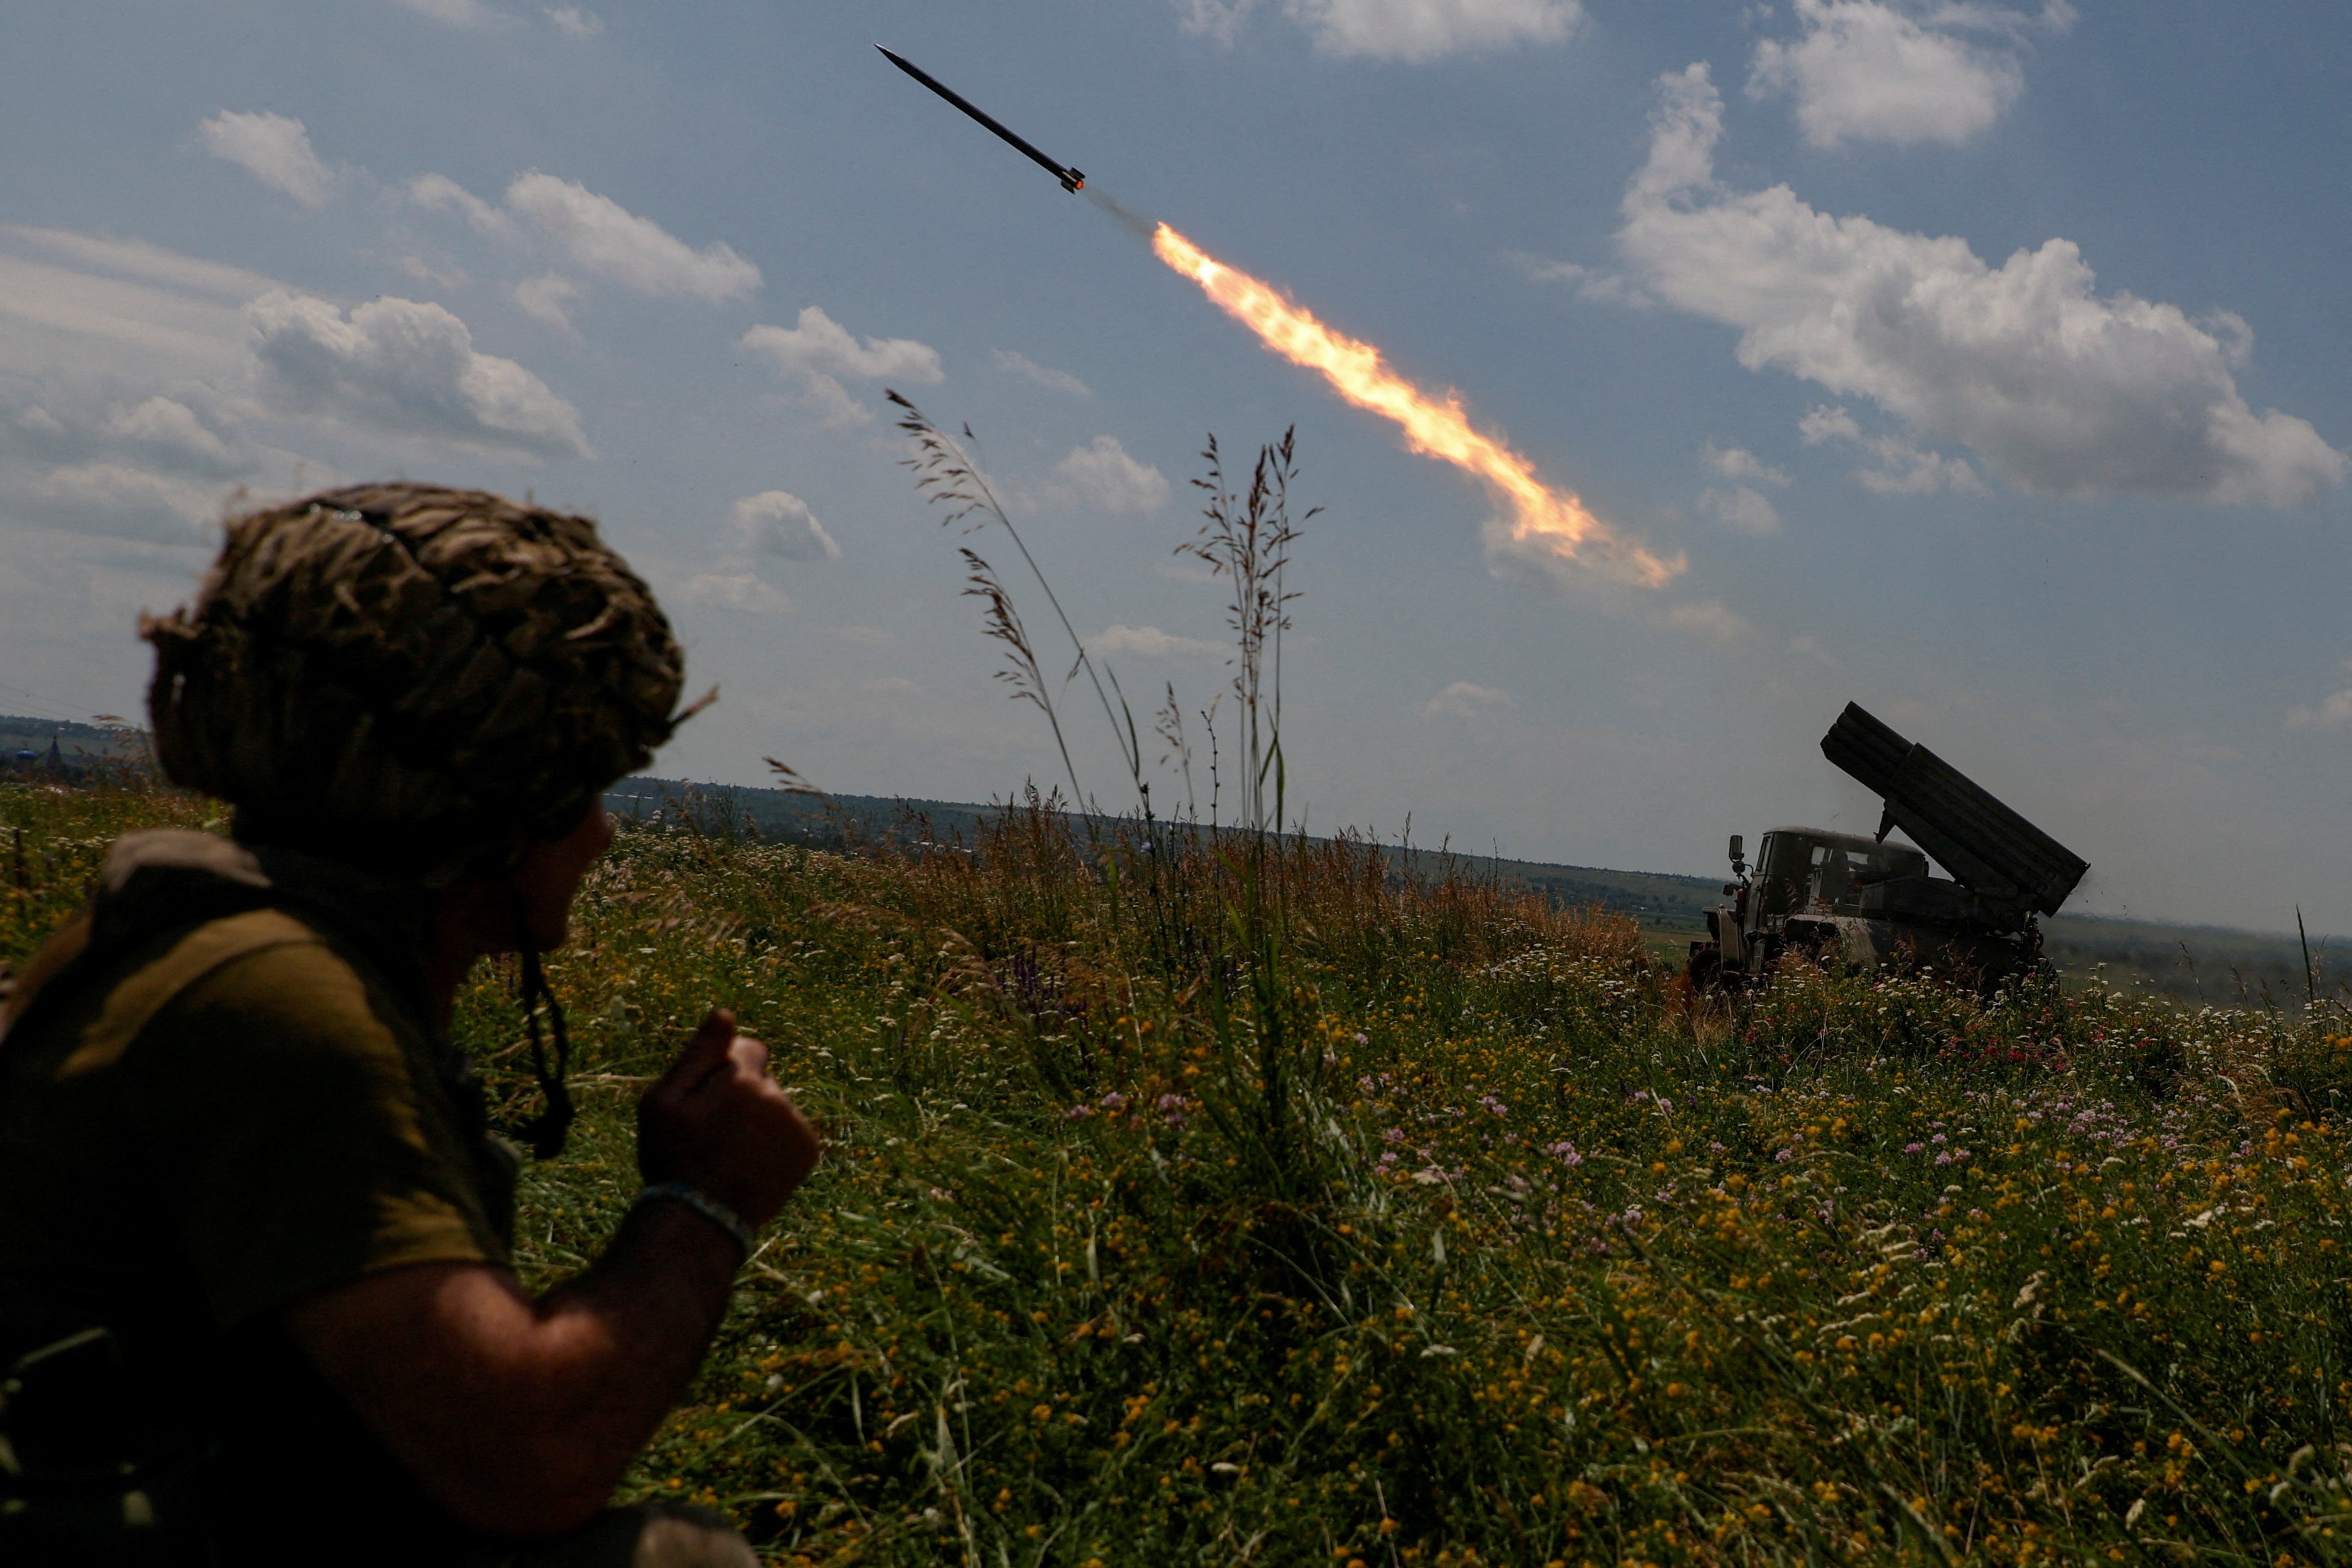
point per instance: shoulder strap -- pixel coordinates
(51, 957)
(149, 990)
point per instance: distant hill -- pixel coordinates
(796, 818)
(78, 744)
(2192, 963)
(2207, 965)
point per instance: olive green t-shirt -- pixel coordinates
(221, 1121)
(278, 1119)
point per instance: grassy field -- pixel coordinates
(2198, 965)
(1236, 1205)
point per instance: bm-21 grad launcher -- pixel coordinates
(1844, 898)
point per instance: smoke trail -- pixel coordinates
(1551, 527)
(1140, 226)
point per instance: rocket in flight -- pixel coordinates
(1071, 178)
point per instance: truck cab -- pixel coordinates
(1807, 891)
(1803, 871)
(1844, 898)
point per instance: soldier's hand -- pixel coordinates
(717, 1120)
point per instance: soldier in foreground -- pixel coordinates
(257, 1303)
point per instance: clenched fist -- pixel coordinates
(718, 1121)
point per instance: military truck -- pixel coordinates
(1844, 898)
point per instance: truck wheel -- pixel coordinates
(1706, 969)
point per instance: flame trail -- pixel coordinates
(1554, 522)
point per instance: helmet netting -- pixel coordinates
(413, 676)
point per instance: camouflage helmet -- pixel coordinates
(415, 678)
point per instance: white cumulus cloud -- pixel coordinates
(1598, 285)
(1705, 618)
(1464, 700)
(819, 343)
(1417, 30)
(452, 13)
(138, 259)
(1151, 642)
(779, 523)
(1738, 462)
(820, 351)
(125, 411)
(1218, 19)
(591, 235)
(1821, 425)
(2332, 713)
(440, 193)
(155, 469)
(438, 275)
(2057, 388)
(172, 435)
(1029, 370)
(273, 149)
(119, 500)
(574, 23)
(740, 591)
(406, 366)
(1408, 30)
(1882, 71)
(1905, 467)
(543, 299)
(1741, 508)
(1101, 474)
(604, 239)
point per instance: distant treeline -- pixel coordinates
(788, 817)
(47, 744)
(2213, 966)
(2192, 963)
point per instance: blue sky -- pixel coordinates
(1983, 362)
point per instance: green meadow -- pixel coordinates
(1237, 1200)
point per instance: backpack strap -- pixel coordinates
(67, 942)
(147, 991)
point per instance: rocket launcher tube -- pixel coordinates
(1987, 847)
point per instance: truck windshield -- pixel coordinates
(1836, 869)
(1783, 873)
(1801, 871)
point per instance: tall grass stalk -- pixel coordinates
(1247, 539)
(1233, 947)
(948, 475)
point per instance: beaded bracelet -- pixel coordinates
(703, 1204)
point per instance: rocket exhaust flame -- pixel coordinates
(1552, 522)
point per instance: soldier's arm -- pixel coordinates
(518, 1417)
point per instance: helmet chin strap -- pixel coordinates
(545, 1131)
